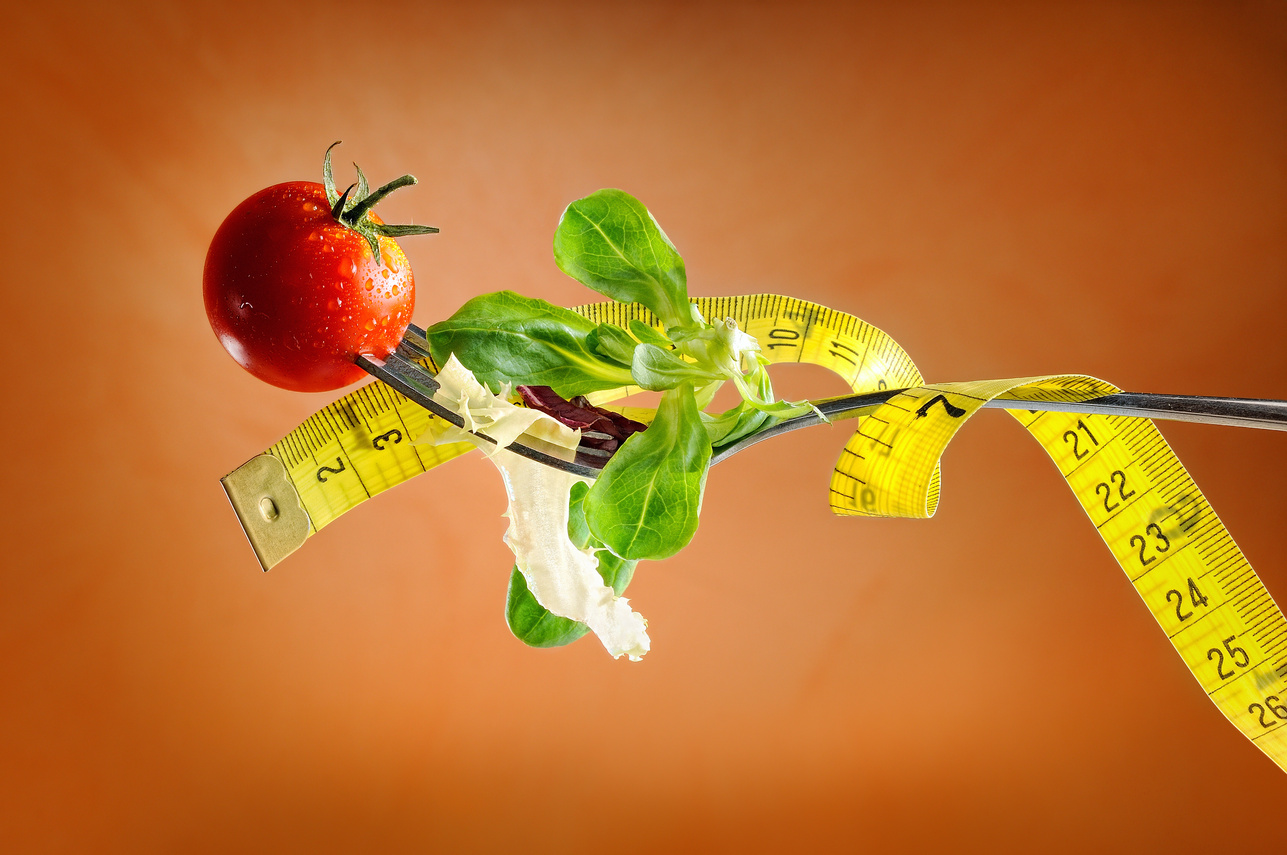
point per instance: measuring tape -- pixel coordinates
(1166, 537)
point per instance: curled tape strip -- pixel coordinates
(1177, 554)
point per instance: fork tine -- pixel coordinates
(417, 375)
(415, 345)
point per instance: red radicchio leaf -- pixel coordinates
(613, 428)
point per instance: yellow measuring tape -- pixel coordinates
(1174, 549)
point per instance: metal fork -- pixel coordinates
(403, 371)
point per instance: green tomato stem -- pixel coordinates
(355, 216)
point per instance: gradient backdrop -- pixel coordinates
(1008, 189)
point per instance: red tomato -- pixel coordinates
(293, 294)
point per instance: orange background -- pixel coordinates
(1006, 189)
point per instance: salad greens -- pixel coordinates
(609, 241)
(567, 578)
(645, 503)
(505, 336)
(534, 624)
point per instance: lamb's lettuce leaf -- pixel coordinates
(735, 423)
(613, 343)
(506, 338)
(656, 369)
(610, 243)
(648, 334)
(646, 501)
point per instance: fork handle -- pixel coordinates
(1203, 409)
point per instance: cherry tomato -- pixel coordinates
(294, 292)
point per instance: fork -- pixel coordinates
(403, 371)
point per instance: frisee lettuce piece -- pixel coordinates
(508, 338)
(534, 624)
(562, 577)
(479, 409)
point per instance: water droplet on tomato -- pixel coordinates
(384, 271)
(370, 324)
(369, 285)
(332, 304)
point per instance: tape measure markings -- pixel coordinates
(380, 389)
(338, 477)
(330, 418)
(1174, 549)
(1164, 534)
(333, 447)
(1237, 589)
(380, 401)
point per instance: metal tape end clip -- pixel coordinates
(268, 508)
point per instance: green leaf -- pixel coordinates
(757, 391)
(363, 188)
(706, 394)
(645, 503)
(609, 242)
(508, 338)
(612, 342)
(649, 334)
(735, 423)
(328, 176)
(656, 370)
(535, 625)
(578, 531)
(616, 572)
(531, 622)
